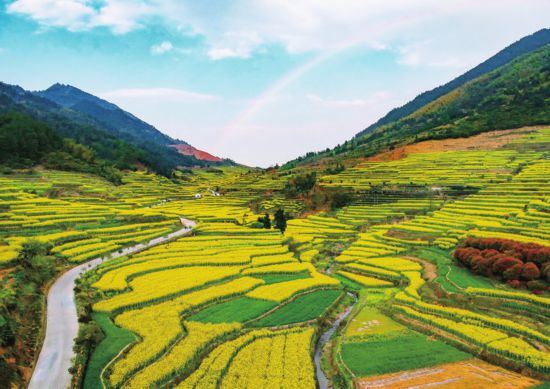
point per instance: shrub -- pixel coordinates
(536, 285)
(530, 272)
(514, 283)
(514, 272)
(506, 258)
(505, 263)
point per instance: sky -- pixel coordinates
(258, 81)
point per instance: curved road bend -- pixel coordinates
(52, 368)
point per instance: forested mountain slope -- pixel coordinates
(515, 50)
(115, 135)
(109, 115)
(514, 95)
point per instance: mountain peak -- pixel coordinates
(69, 96)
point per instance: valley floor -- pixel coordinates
(235, 305)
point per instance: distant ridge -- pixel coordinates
(111, 116)
(511, 52)
(513, 95)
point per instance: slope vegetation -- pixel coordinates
(236, 305)
(513, 95)
(115, 135)
(506, 55)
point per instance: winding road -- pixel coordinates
(52, 368)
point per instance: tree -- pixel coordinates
(514, 283)
(280, 219)
(340, 199)
(505, 263)
(300, 184)
(546, 271)
(514, 272)
(265, 220)
(38, 266)
(530, 272)
(8, 373)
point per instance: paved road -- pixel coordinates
(52, 368)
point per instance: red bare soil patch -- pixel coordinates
(473, 373)
(485, 141)
(199, 154)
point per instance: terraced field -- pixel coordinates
(446, 303)
(234, 306)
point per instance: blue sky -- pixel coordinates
(259, 81)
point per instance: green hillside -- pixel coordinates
(511, 96)
(115, 135)
(25, 142)
(523, 46)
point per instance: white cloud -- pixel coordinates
(426, 53)
(373, 99)
(299, 26)
(120, 16)
(72, 14)
(157, 93)
(235, 45)
(239, 28)
(162, 48)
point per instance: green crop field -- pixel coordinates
(228, 297)
(397, 352)
(237, 310)
(303, 308)
(370, 321)
(115, 339)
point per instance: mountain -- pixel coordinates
(117, 120)
(115, 135)
(524, 45)
(25, 142)
(108, 114)
(512, 95)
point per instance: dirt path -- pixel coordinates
(429, 269)
(52, 368)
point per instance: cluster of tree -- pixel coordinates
(21, 305)
(300, 184)
(314, 197)
(515, 262)
(338, 168)
(279, 220)
(25, 142)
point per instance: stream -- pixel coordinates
(322, 380)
